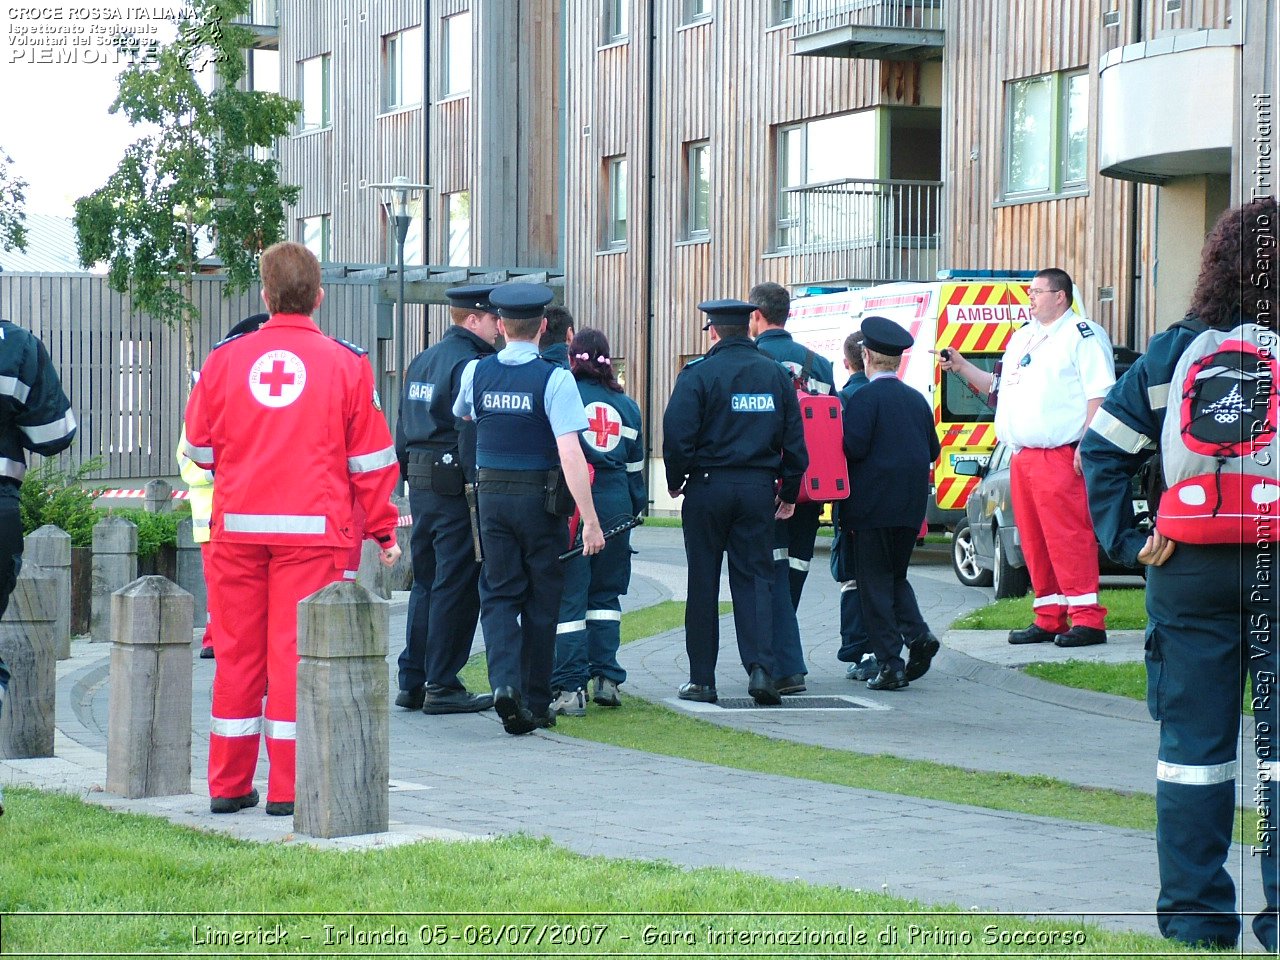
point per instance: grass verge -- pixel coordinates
(1126, 610)
(1120, 679)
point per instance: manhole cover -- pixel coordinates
(793, 703)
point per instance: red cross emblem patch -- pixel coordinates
(276, 378)
(604, 426)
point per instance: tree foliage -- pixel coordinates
(13, 196)
(199, 178)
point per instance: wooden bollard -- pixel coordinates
(50, 548)
(27, 647)
(115, 564)
(344, 748)
(370, 574)
(149, 715)
(190, 572)
(157, 496)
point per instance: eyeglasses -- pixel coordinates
(1033, 292)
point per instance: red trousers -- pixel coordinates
(254, 600)
(1058, 542)
(207, 639)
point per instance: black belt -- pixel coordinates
(735, 474)
(492, 480)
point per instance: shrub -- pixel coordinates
(154, 529)
(49, 495)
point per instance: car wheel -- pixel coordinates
(1008, 580)
(964, 560)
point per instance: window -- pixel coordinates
(615, 225)
(697, 190)
(414, 248)
(457, 226)
(697, 10)
(402, 69)
(315, 92)
(262, 70)
(456, 68)
(313, 233)
(787, 10)
(616, 20)
(1048, 134)
(818, 165)
(959, 403)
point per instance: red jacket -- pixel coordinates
(289, 421)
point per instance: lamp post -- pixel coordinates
(396, 197)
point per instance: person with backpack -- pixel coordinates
(1204, 395)
(794, 538)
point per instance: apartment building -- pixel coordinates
(660, 152)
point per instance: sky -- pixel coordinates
(57, 82)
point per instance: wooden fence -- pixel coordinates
(124, 372)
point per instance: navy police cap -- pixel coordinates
(248, 324)
(730, 312)
(885, 337)
(474, 296)
(521, 301)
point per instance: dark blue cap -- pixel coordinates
(521, 301)
(474, 296)
(732, 312)
(249, 324)
(885, 337)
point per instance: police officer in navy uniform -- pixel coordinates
(891, 443)
(1212, 609)
(793, 538)
(731, 431)
(36, 416)
(531, 472)
(444, 603)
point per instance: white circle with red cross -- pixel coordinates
(604, 426)
(276, 378)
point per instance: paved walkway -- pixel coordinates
(460, 776)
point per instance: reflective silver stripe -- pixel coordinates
(349, 574)
(372, 461)
(1083, 600)
(1052, 600)
(635, 466)
(244, 727)
(630, 433)
(13, 387)
(14, 469)
(615, 615)
(1158, 396)
(1196, 776)
(282, 730)
(201, 523)
(780, 553)
(198, 454)
(799, 564)
(43, 433)
(570, 626)
(272, 523)
(1123, 436)
(848, 585)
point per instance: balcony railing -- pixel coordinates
(874, 229)
(870, 29)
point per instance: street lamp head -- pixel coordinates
(397, 195)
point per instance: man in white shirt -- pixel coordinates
(1053, 377)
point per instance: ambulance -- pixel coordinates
(974, 312)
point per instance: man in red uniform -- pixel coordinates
(289, 420)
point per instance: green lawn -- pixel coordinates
(181, 890)
(1126, 610)
(1120, 679)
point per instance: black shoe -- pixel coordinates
(548, 719)
(1079, 636)
(233, 804)
(446, 700)
(791, 684)
(922, 650)
(760, 686)
(206, 653)
(279, 808)
(698, 692)
(411, 699)
(1031, 634)
(515, 718)
(888, 680)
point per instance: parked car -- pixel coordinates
(986, 549)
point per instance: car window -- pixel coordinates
(959, 403)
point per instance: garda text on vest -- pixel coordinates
(752, 403)
(499, 401)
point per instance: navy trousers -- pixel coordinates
(889, 607)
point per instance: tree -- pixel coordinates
(196, 182)
(13, 195)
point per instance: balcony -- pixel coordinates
(862, 230)
(1146, 92)
(263, 18)
(869, 29)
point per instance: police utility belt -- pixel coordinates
(549, 484)
(429, 473)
